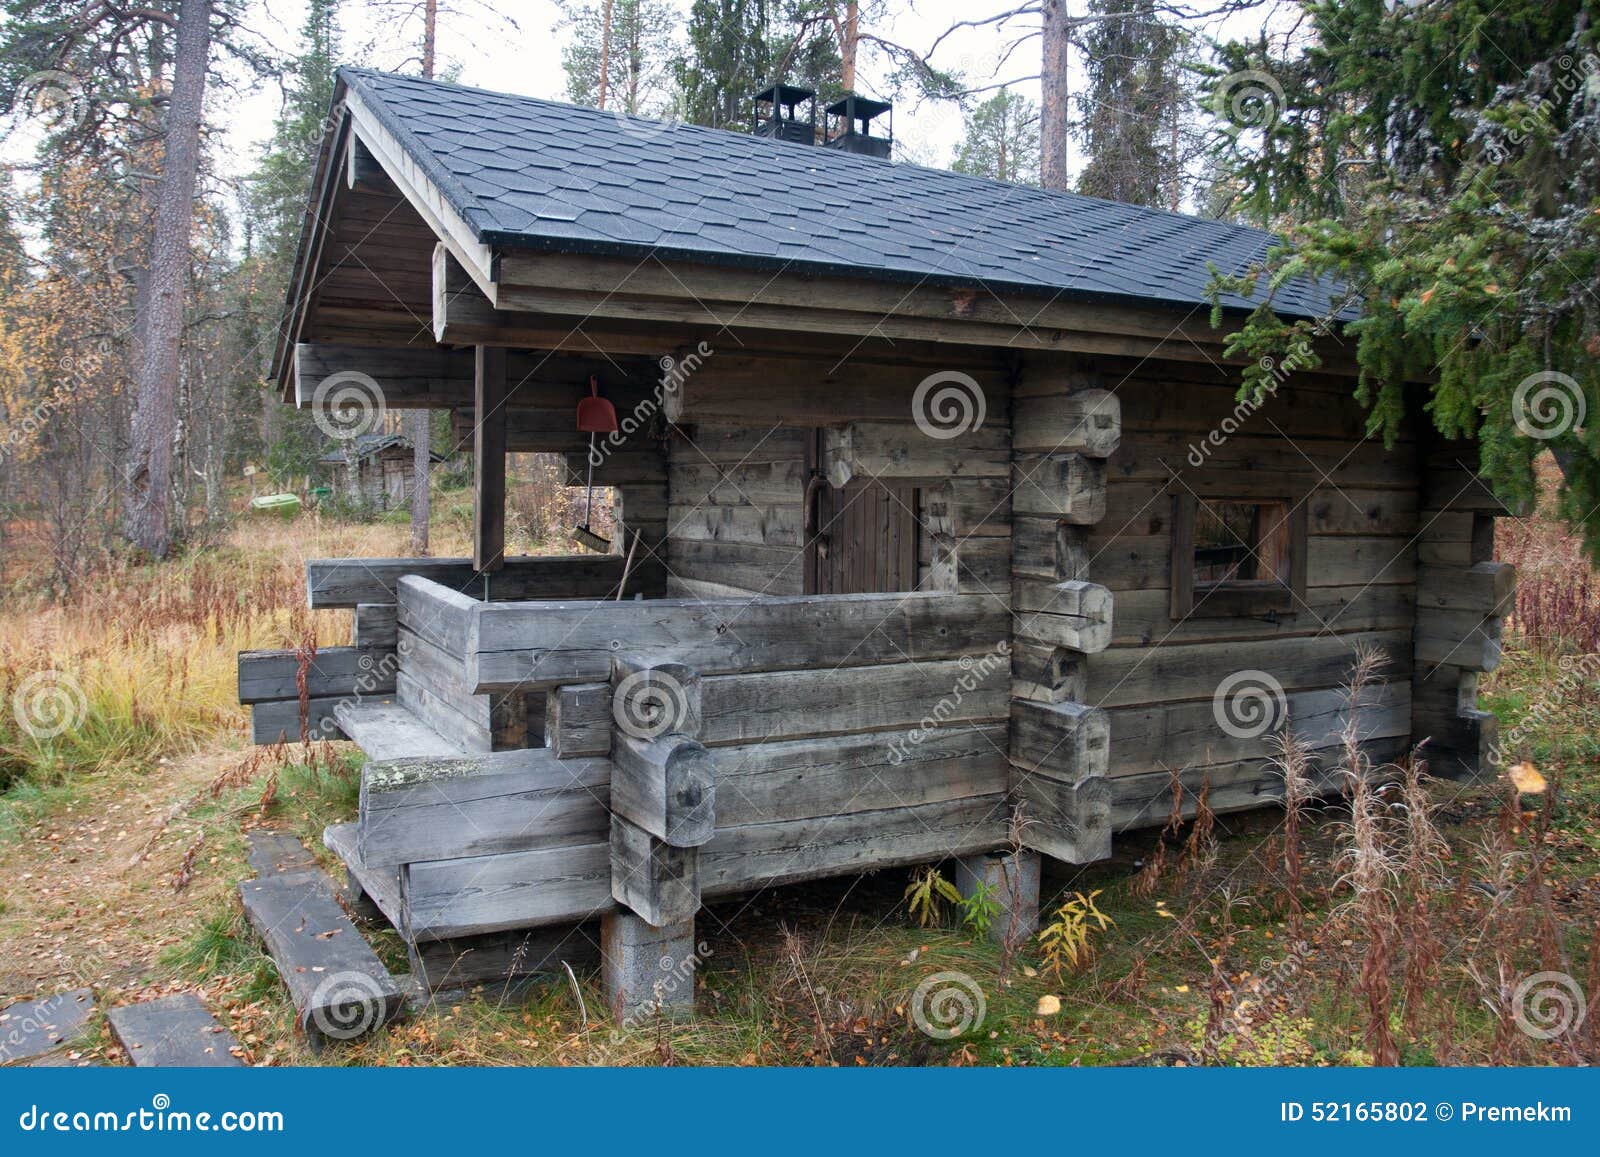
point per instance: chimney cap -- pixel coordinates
(788, 95)
(862, 108)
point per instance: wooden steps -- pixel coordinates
(340, 988)
(390, 731)
(379, 885)
(173, 1032)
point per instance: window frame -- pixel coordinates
(1235, 598)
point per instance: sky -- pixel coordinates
(523, 56)
(527, 60)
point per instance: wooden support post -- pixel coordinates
(1011, 880)
(647, 970)
(650, 876)
(489, 459)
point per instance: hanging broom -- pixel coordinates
(596, 415)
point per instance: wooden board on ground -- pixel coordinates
(175, 1031)
(277, 854)
(340, 988)
(32, 1028)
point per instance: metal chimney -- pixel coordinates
(849, 126)
(774, 114)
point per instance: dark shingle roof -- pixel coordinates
(365, 446)
(530, 173)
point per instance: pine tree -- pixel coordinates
(1002, 140)
(641, 40)
(275, 197)
(729, 57)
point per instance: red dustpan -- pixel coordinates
(596, 415)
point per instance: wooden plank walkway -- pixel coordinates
(33, 1028)
(277, 853)
(340, 988)
(173, 1032)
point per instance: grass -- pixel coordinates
(1232, 940)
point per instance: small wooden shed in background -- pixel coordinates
(373, 471)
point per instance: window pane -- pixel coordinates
(1241, 541)
(1224, 541)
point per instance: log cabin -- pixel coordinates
(372, 471)
(943, 533)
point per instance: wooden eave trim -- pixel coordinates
(423, 195)
(717, 296)
(308, 255)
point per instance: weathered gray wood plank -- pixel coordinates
(666, 785)
(544, 645)
(390, 731)
(445, 808)
(578, 720)
(373, 625)
(811, 778)
(445, 899)
(175, 1031)
(32, 1028)
(1069, 742)
(349, 582)
(504, 956)
(270, 722)
(339, 986)
(779, 705)
(657, 881)
(277, 853)
(266, 676)
(379, 885)
(759, 855)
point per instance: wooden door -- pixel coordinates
(862, 539)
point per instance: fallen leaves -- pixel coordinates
(1526, 778)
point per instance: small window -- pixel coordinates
(1233, 556)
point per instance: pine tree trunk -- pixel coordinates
(418, 422)
(850, 42)
(421, 460)
(147, 519)
(1053, 95)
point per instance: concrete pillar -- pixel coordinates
(647, 970)
(1012, 881)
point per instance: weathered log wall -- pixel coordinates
(731, 743)
(1163, 680)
